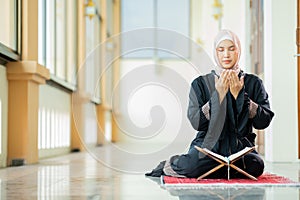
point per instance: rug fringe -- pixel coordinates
(224, 186)
(229, 185)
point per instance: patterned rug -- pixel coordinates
(265, 180)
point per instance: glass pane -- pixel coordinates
(154, 13)
(61, 39)
(110, 17)
(8, 33)
(134, 15)
(97, 64)
(92, 63)
(176, 20)
(42, 32)
(137, 14)
(89, 35)
(50, 36)
(71, 41)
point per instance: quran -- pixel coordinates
(226, 161)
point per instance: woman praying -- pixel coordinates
(224, 107)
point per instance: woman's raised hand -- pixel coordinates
(228, 80)
(235, 83)
(222, 84)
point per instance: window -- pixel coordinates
(155, 13)
(109, 17)
(57, 40)
(93, 53)
(9, 34)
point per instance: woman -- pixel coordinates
(224, 107)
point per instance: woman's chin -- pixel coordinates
(227, 66)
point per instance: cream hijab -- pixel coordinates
(227, 35)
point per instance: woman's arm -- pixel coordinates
(202, 105)
(255, 104)
(263, 115)
(198, 108)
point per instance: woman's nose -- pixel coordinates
(226, 53)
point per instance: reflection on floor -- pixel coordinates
(82, 176)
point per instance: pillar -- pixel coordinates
(24, 79)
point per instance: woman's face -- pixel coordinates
(227, 54)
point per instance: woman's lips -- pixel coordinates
(226, 61)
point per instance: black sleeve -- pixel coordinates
(199, 96)
(264, 114)
(258, 95)
(196, 101)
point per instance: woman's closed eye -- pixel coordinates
(220, 49)
(231, 48)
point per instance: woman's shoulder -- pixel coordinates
(253, 79)
(251, 76)
(204, 76)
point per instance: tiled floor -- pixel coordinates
(82, 176)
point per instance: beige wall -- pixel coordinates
(55, 103)
(281, 80)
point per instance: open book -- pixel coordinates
(226, 161)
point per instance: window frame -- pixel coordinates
(7, 54)
(55, 80)
(94, 98)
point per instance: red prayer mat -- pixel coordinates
(267, 179)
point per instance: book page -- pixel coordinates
(241, 153)
(225, 159)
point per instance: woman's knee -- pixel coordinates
(191, 164)
(254, 164)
